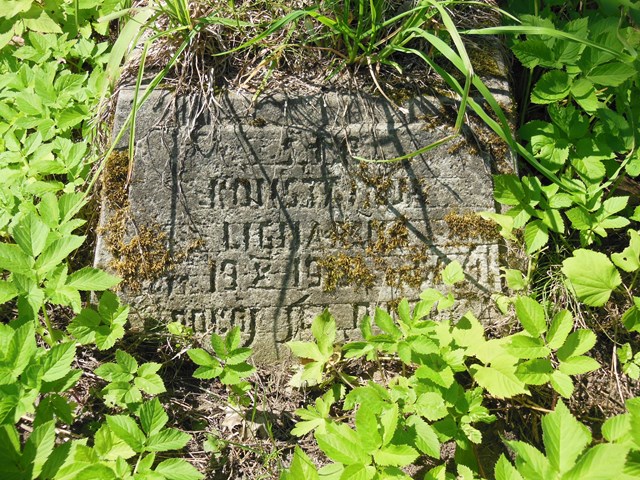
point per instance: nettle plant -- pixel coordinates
(444, 372)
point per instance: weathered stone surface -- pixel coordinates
(269, 208)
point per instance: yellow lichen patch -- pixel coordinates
(144, 257)
(138, 257)
(343, 270)
(114, 180)
(470, 225)
(388, 239)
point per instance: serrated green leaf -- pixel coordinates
(525, 347)
(560, 328)
(126, 361)
(453, 273)
(152, 417)
(38, 448)
(505, 471)
(238, 356)
(552, 87)
(577, 343)
(306, 350)
(631, 318)
(591, 276)
(601, 462)
(109, 446)
(564, 438)
(578, 365)
(178, 469)
(207, 372)
(55, 253)
(499, 381)
(426, 438)
(531, 316)
(167, 439)
(302, 467)
(8, 291)
(536, 236)
(562, 383)
(531, 462)
(12, 258)
(323, 329)
(536, 371)
(30, 233)
(611, 74)
(57, 361)
(629, 259)
(395, 455)
(94, 279)
(200, 356)
(616, 428)
(151, 384)
(126, 429)
(341, 444)
(383, 320)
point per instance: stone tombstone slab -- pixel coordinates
(269, 219)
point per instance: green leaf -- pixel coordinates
(323, 329)
(396, 455)
(42, 23)
(238, 356)
(426, 438)
(578, 343)
(341, 444)
(505, 471)
(578, 365)
(616, 428)
(89, 278)
(515, 279)
(629, 259)
(536, 236)
(431, 406)
(57, 361)
(126, 429)
(562, 383)
(531, 316)
(178, 469)
(55, 253)
(532, 464)
(30, 233)
(564, 438)
(498, 381)
(533, 52)
(602, 462)
(208, 372)
(167, 439)
(560, 328)
(631, 318)
(611, 74)
(552, 87)
(591, 276)
(383, 320)
(38, 448)
(151, 384)
(525, 347)
(152, 417)
(126, 361)
(8, 291)
(536, 371)
(12, 258)
(453, 273)
(200, 356)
